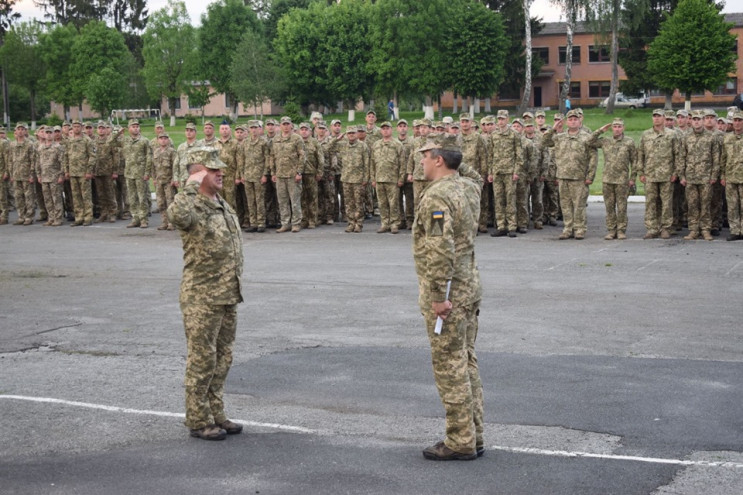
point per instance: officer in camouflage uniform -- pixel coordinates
(313, 172)
(159, 129)
(551, 194)
(535, 188)
(210, 291)
(444, 253)
(354, 176)
(700, 169)
(179, 168)
(326, 186)
(505, 166)
(163, 159)
(576, 169)
(253, 163)
(137, 169)
(406, 203)
(104, 171)
(20, 159)
(79, 168)
(658, 161)
(680, 209)
(531, 159)
(620, 164)
(475, 154)
(387, 176)
(287, 167)
(227, 146)
(731, 176)
(273, 218)
(4, 177)
(414, 168)
(50, 174)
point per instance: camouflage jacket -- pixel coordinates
(408, 148)
(315, 158)
(620, 160)
(137, 155)
(21, 159)
(212, 248)
(475, 152)
(731, 163)
(355, 159)
(542, 159)
(287, 156)
(507, 154)
(180, 173)
(105, 157)
(50, 163)
(473, 183)
(700, 162)
(4, 145)
(573, 154)
(253, 159)
(228, 151)
(386, 162)
(659, 155)
(444, 245)
(164, 160)
(331, 159)
(414, 167)
(79, 156)
(372, 136)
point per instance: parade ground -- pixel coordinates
(609, 367)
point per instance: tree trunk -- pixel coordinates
(570, 14)
(487, 105)
(171, 109)
(428, 108)
(395, 107)
(476, 105)
(455, 104)
(615, 5)
(669, 100)
(32, 94)
(687, 101)
(351, 112)
(441, 108)
(527, 74)
(465, 104)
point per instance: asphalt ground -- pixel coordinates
(609, 367)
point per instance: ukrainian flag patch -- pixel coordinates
(437, 223)
(438, 215)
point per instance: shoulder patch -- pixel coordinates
(437, 223)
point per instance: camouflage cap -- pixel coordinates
(723, 120)
(322, 125)
(371, 111)
(57, 128)
(76, 121)
(305, 125)
(697, 114)
(529, 123)
(131, 122)
(351, 129)
(271, 122)
(41, 128)
(518, 121)
(558, 116)
(241, 127)
(416, 123)
(502, 114)
(88, 124)
(65, 123)
(465, 116)
(572, 113)
(659, 111)
(527, 115)
(682, 113)
(208, 122)
(315, 115)
(709, 112)
(402, 121)
(163, 135)
(254, 123)
(335, 121)
(737, 114)
(447, 120)
(385, 124)
(669, 114)
(455, 125)
(21, 125)
(439, 123)
(441, 141)
(617, 121)
(101, 123)
(361, 128)
(159, 124)
(191, 126)
(286, 119)
(426, 122)
(539, 113)
(485, 120)
(580, 111)
(206, 156)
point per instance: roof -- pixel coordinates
(581, 27)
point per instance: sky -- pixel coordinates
(541, 8)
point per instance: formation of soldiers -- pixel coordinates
(291, 177)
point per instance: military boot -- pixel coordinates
(693, 236)
(707, 235)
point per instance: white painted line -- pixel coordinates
(733, 268)
(647, 265)
(146, 412)
(632, 458)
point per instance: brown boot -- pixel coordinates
(134, 223)
(209, 432)
(143, 224)
(693, 236)
(664, 234)
(440, 452)
(621, 236)
(610, 236)
(283, 228)
(707, 235)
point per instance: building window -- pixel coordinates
(192, 107)
(177, 103)
(574, 89)
(575, 58)
(599, 89)
(542, 52)
(729, 88)
(599, 54)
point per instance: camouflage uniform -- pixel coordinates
(731, 171)
(700, 165)
(575, 165)
(475, 154)
(4, 181)
(387, 171)
(415, 169)
(535, 192)
(253, 162)
(105, 167)
(506, 160)
(79, 162)
(529, 171)
(179, 167)
(210, 292)
(443, 250)
(657, 158)
(21, 158)
(120, 191)
(313, 167)
(164, 161)
(717, 193)
(138, 165)
(354, 177)
(288, 161)
(228, 154)
(327, 192)
(407, 196)
(620, 163)
(50, 173)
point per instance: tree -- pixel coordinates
(56, 50)
(7, 16)
(199, 94)
(22, 62)
(128, 15)
(106, 90)
(277, 10)
(694, 50)
(572, 9)
(76, 12)
(222, 28)
(255, 77)
(168, 53)
(604, 16)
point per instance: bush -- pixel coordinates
(53, 120)
(291, 109)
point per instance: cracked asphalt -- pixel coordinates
(608, 367)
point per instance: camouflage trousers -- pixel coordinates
(658, 193)
(551, 200)
(734, 196)
(680, 209)
(327, 198)
(522, 203)
(24, 199)
(534, 200)
(504, 193)
(229, 190)
(67, 194)
(407, 204)
(457, 376)
(255, 204)
(717, 199)
(354, 196)
(82, 199)
(699, 201)
(138, 190)
(573, 197)
(271, 202)
(388, 195)
(615, 201)
(40, 202)
(52, 192)
(485, 204)
(289, 195)
(122, 196)
(104, 185)
(164, 192)
(210, 333)
(310, 205)
(4, 207)
(340, 203)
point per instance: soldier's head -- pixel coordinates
(271, 129)
(225, 131)
(442, 156)
(402, 128)
(361, 133)
(208, 129)
(722, 124)
(540, 117)
(737, 121)
(425, 129)
(502, 119)
(77, 128)
(159, 128)
(57, 133)
(335, 127)
(465, 123)
(163, 140)
(315, 118)
(206, 158)
(351, 134)
(89, 129)
(697, 120)
(659, 118)
(286, 126)
(133, 127)
(386, 130)
(255, 129)
(305, 130)
(710, 119)
(517, 125)
(321, 129)
(682, 117)
(49, 134)
(240, 133)
(371, 117)
(190, 132)
(529, 129)
(617, 127)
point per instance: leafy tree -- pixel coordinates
(76, 12)
(128, 15)
(22, 61)
(106, 90)
(604, 15)
(199, 95)
(694, 50)
(222, 28)
(7, 16)
(168, 51)
(56, 50)
(277, 10)
(255, 77)
(573, 10)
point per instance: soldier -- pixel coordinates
(137, 169)
(209, 140)
(718, 191)
(373, 133)
(475, 154)
(159, 129)
(4, 177)
(731, 176)
(105, 172)
(210, 291)
(79, 167)
(355, 176)
(658, 159)
(551, 193)
(21, 156)
(679, 195)
(313, 171)
(538, 175)
(541, 120)
(287, 167)
(700, 168)
(620, 163)
(339, 206)
(227, 146)
(179, 167)
(253, 159)
(326, 186)
(50, 174)
(576, 170)
(241, 132)
(38, 141)
(531, 159)
(407, 203)
(504, 168)
(273, 218)
(449, 288)
(387, 176)
(89, 131)
(163, 159)
(414, 169)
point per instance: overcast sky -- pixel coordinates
(541, 8)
